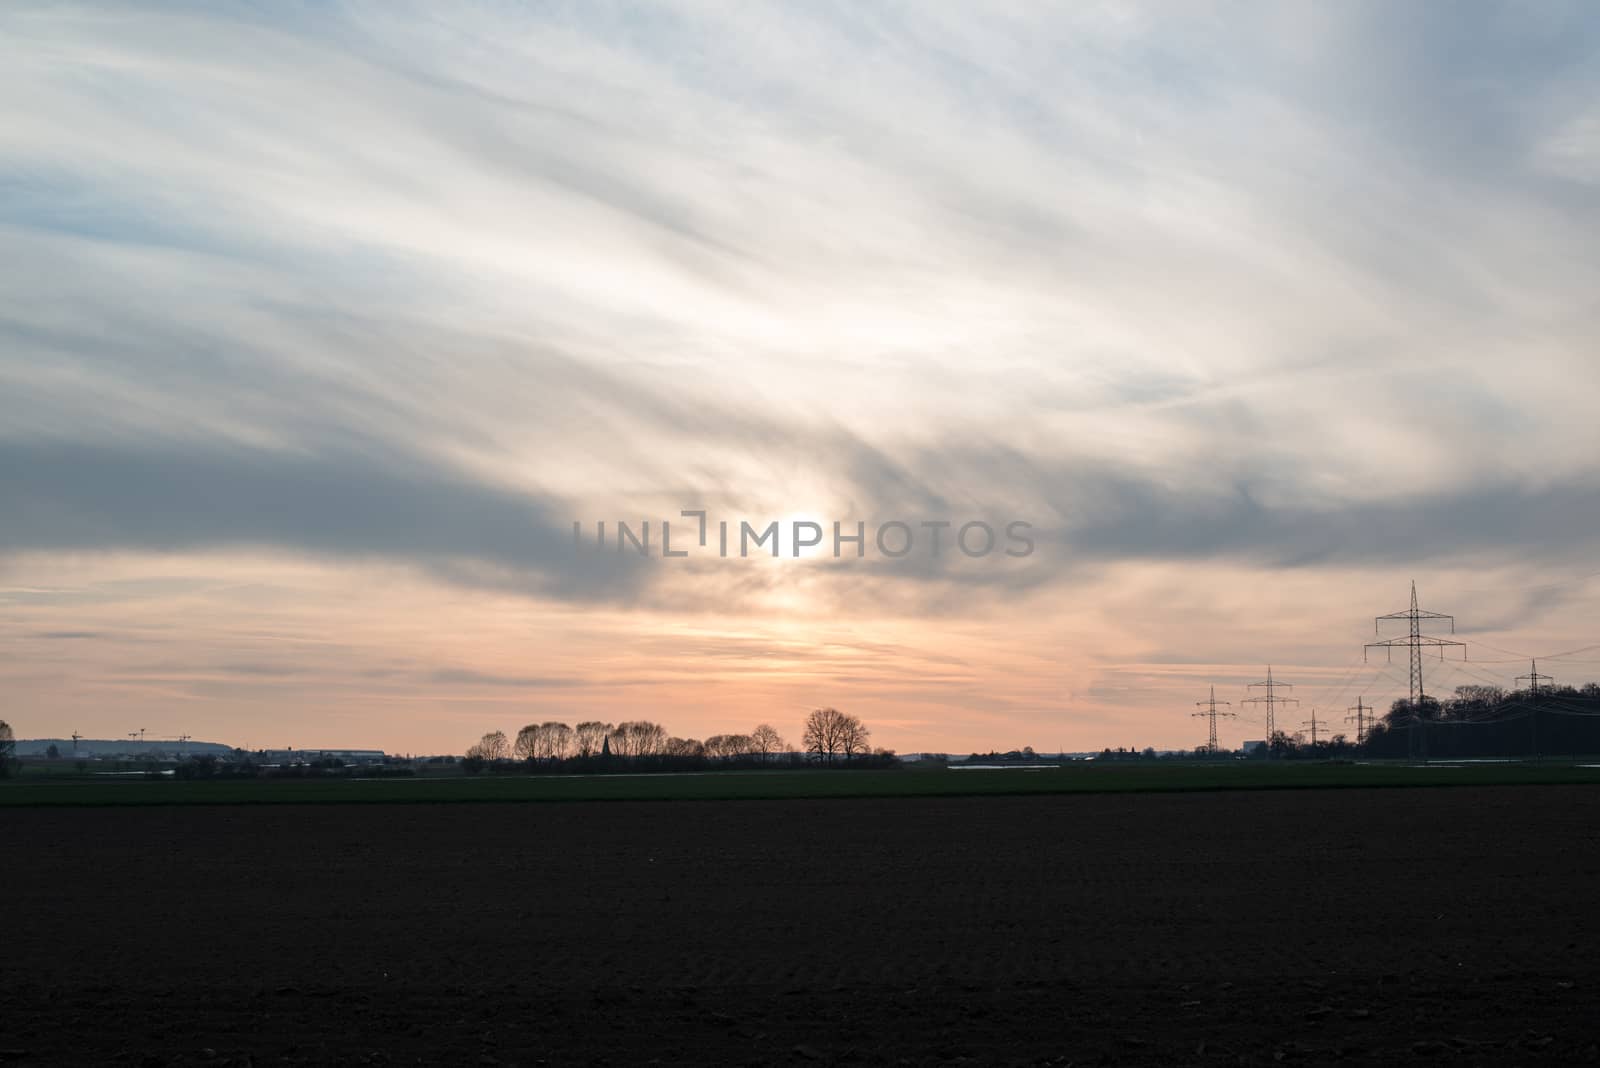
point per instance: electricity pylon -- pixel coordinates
(1211, 713)
(1416, 641)
(1312, 723)
(1360, 708)
(1533, 679)
(1272, 701)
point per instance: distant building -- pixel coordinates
(1250, 748)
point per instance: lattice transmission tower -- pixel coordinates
(1269, 697)
(1211, 713)
(1415, 641)
(1315, 726)
(1533, 679)
(1360, 708)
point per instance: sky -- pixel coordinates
(322, 324)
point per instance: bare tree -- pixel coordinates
(854, 738)
(589, 737)
(554, 739)
(824, 733)
(8, 745)
(729, 746)
(526, 747)
(684, 747)
(638, 738)
(830, 733)
(493, 746)
(652, 738)
(767, 741)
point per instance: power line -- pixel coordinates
(1520, 657)
(1570, 652)
(1351, 670)
(1496, 648)
(1472, 671)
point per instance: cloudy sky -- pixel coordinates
(321, 324)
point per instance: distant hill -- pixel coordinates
(118, 747)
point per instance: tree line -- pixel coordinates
(1475, 721)
(828, 736)
(1491, 721)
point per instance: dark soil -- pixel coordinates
(1295, 927)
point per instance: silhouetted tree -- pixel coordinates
(1475, 698)
(729, 746)
(1401, 713)
(684, 748)
(53, 752)
(8, 745)
(637, 738)
(1281, 744)
(590, 737)
(495, 746)
(554, 739)
(821, 735)
(829, 733)
(526, 747)
(766, 741)
(491, 746)
(855, 741)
